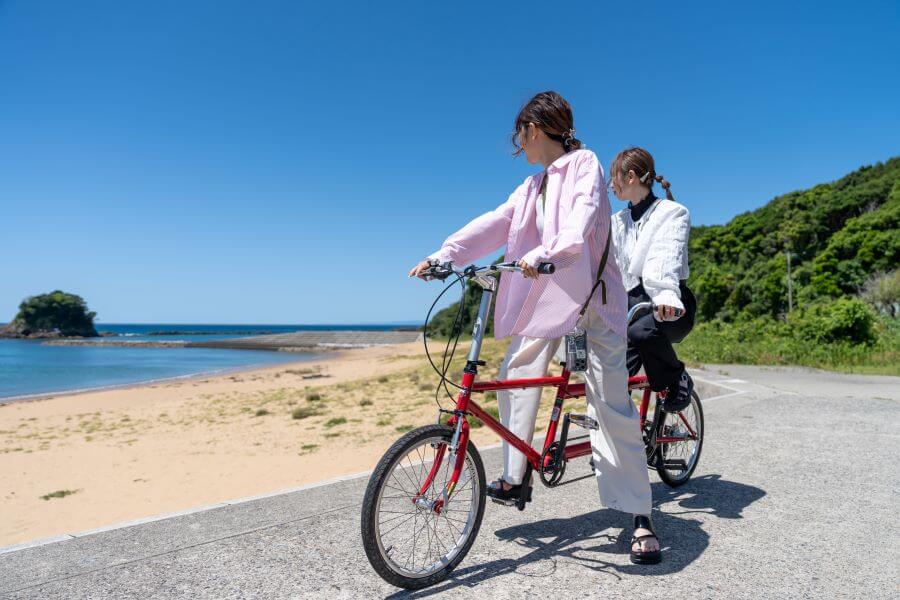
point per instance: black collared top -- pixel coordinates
(638, 210)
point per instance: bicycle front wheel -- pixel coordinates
(408, 542)
(677, 459)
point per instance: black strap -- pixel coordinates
(599, 281)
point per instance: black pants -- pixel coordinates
(650, 341)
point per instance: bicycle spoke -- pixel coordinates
(401, 488)
(399, 524)
(413, 538)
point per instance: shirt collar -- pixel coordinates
(638, 210)
(561, 162)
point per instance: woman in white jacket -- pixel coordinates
(651, 239)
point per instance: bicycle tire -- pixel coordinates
(369, 526)
(663, 473)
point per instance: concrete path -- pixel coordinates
(796, 496)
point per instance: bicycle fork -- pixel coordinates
(459, 443)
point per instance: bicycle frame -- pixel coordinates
(465, 405)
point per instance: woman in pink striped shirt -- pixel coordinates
(562, 216)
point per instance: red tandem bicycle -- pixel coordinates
(425, 499)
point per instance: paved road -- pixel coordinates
(795, 497)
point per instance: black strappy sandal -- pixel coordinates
(496, 491)
(641, 557)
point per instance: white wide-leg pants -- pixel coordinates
(619, 460)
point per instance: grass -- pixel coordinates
(301, 371)
(403, 428)
(365, 402)
(335, 422)
(306, 448)
(261, 412)
(313, 397)
(58, 494)
(489, 405)
(302, 412)
(716, 342)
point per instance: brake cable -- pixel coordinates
(447, 356)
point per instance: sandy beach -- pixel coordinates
(130, 453)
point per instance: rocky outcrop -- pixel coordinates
(54, 315)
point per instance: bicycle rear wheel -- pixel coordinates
(408, 543)
(676, 461)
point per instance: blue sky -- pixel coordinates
(288, 162)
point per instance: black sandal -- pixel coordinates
(642, 557)
(496, 491)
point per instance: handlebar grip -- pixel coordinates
(546, 268)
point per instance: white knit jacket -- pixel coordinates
(654, 250)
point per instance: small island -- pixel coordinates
(54, 315)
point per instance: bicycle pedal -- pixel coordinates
(675, 464)
(510, 502)
(584, 421)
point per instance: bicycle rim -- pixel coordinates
(413, 540)
(677, 460)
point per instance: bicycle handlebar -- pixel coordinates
(542, 268)
(445, 270)
(647, 305)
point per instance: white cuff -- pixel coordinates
(439, 256)
(535, 257)
(668, 298)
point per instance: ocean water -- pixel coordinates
(27, 367)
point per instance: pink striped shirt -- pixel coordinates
(576, 223)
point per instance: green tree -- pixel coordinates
(57, 311)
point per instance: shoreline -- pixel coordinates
(5, 400)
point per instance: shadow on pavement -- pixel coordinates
(582, 540)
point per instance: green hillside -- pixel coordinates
(844, 243)
(839, 235)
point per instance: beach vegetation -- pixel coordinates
(334, 422)
(303, 412)
(58, 494)
(403, 428)
(261, 412)
(301, 372)
(365, 402)
(313, 397)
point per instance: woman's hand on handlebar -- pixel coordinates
(667, 313)
(419, 269)
(527, 270)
